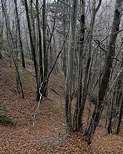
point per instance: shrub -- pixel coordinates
(4, 118)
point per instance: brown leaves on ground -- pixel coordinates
(48, 136)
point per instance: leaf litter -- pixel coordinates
(49, 135)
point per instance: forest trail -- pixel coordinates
(48, 136)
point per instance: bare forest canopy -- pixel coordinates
(80, 39)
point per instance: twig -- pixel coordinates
(55, 91)
(121, 71)
(98, 43)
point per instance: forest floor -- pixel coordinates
(48, 135)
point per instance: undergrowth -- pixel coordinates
(4, 117)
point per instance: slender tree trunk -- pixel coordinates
(70, 67)
(32, 44)
(120, 83)
(19, 34)
(65, 24)
(117, 100)
(1, 38)
(78, 111)
(64, 54)
(86, 77)
(94, 121)
(45, 51)
(11, 45)
(120, 111)
(40, 48)
(32, 21)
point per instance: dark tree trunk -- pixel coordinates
(94, 121)
(88, 65)
(32, 21)
(40, 48)
(78, 110)
(19, 34)
(45, 51)
(120, 113)
(70, 67)
(12, 46)
(110, 115)
(81, 97)
(117, 100)
(120, 84)
(32, 45)
(1, 55)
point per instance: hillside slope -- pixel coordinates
(48, 135)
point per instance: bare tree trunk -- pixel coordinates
(64, 54)
(120, 110)
(1, 38)
(78, 111)
(120, 83)
(40, 49)
(32, 20)
(1, 55)
(70, 68)
(86, 77)
(110, 115)
(32, 45)
(64, 34)
(117, 98)
(19, 34)
(94, 121)
(12, 46)
(45, 51)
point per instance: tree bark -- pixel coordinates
(32, 44)
(40, 76)
(78, 110)
(88, 65)
(19, 34)
(45, 51)
(70, 67)
(94, 121)
(120, 83)
(12, 46)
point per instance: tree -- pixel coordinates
(78, 111)
(88, 65)
(40, 48)
(45, 51)
(19, 33)
(32, 46)
(12, 47)
(1, 36)
(70, 67)
(94, 121)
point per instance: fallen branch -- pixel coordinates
(55, 91)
